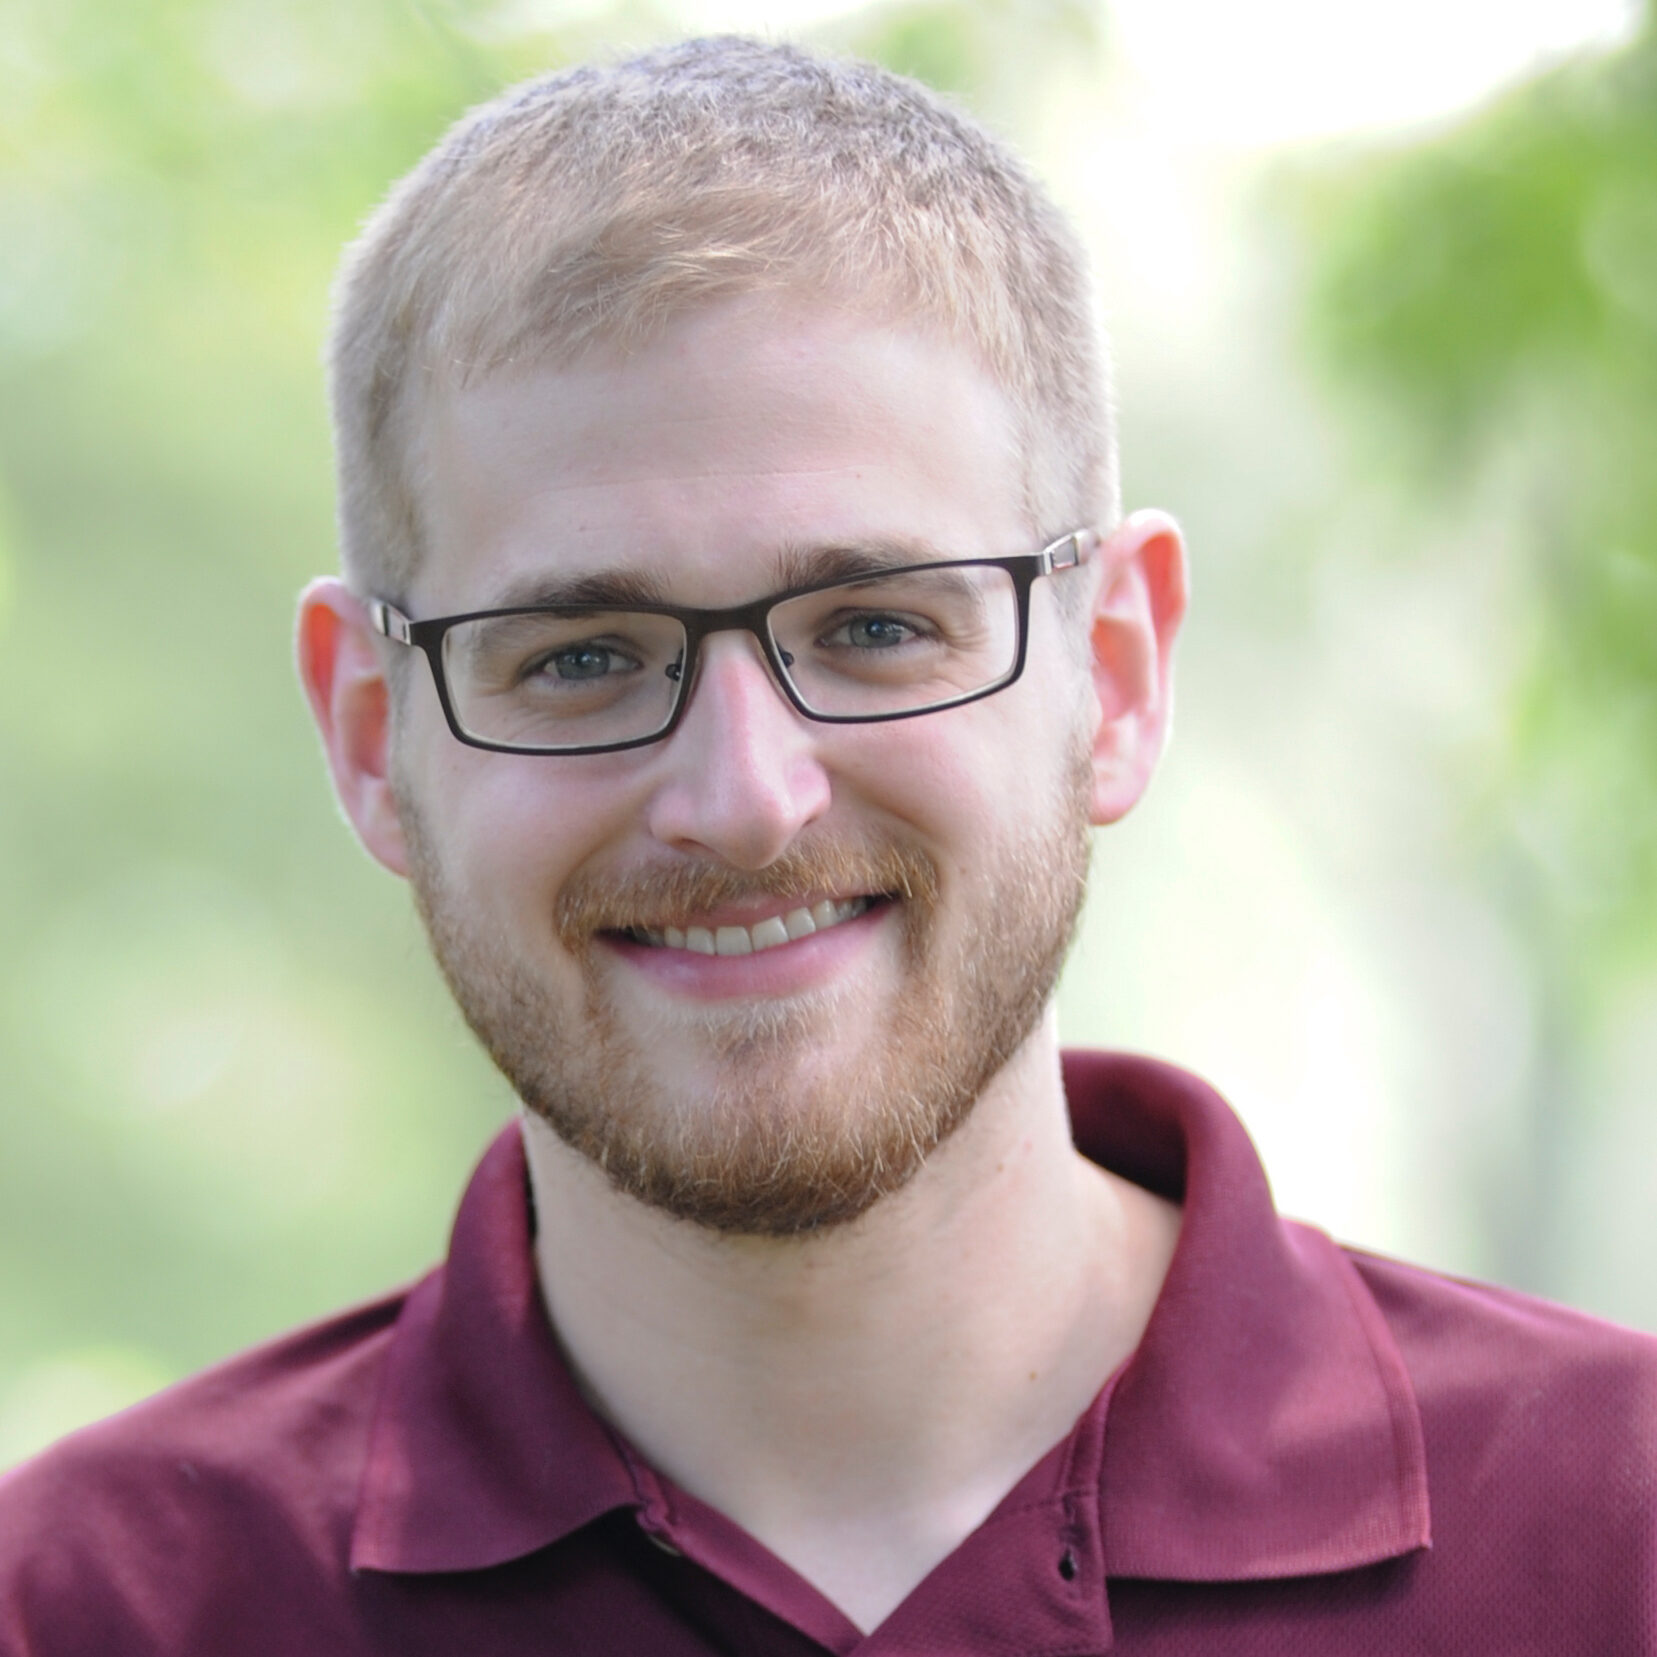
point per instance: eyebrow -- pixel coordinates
(795, 566)
(807, 566)
(618, 589)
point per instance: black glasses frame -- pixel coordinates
(1025, 569)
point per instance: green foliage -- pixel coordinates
(1524, 243)
(1493, 293)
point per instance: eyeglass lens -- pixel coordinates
(897, 643)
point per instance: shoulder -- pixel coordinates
(250, 1466)
(1535, 1417)
(1462, 1338)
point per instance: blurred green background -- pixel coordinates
(1396, 892)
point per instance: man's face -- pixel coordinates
(942, 858)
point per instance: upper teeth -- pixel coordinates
(749, 940)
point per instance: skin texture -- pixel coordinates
(870, 1281)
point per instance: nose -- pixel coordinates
(741, 773)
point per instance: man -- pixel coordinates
(726, 431)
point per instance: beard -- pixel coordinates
(800, 1128)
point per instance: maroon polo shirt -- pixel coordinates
(1312, 1451)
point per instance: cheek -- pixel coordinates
(493, 829)
(952, 777)
(984, 788)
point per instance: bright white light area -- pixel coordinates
(1274, 71)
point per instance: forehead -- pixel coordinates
(719, 461)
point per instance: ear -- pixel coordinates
(344, 680)
(1136, 615)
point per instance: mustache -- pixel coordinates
(676, 894)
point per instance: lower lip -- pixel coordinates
(786, 969)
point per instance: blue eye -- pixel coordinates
(877, 632)
(585, 661)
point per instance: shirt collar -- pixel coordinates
(1265, 1427)
(482, 1448)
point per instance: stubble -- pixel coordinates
(807, 1123)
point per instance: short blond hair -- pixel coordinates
(594, 205)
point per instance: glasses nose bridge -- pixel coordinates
(752, 619)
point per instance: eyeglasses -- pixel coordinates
(586, 678)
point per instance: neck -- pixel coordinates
(860, 1400)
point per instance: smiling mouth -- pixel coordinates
(771, 933)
